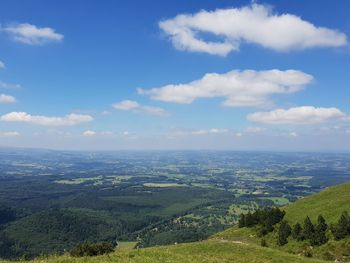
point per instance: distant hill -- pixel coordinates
(242, 245)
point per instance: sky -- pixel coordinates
(175, 75)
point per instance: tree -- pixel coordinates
(308, 229)
(241, 221)
(89, 249)
(321, 224)
(319, 237)
(284, 232)
(250, 220)
(297, 232)
(266, 218)
(342, 228)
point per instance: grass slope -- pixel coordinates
(330, 203)
(211, 251)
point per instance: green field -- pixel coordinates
(162, 185)
(211, 251)
(279, 201)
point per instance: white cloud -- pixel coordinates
(7, 99)
(5, 85)
(210, 131)
(32, 35)
(126, 105)
(89, 133)
(68, 120)
(130, 105)
(201, 132)
(299, 115)
(9, 134)
(154, 111)
(255, 129)
(256, 24)
(239, 88)
(2, 65)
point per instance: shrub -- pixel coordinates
(91, 249)
(263, 243)
(307, 252)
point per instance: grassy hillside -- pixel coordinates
(330, 203)
(218, 251)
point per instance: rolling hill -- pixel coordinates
(242, 244)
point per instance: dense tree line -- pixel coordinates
(179, 231)
(265, 218)
(315, 234)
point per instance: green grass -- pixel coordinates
(330, 203)
(212, 251)
(126, 245)
(279, 201)
(162, 185)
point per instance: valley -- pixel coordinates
(52, 200)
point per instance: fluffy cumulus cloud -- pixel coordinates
(32, 35)
(7, 99)
(256, 24)
(9, 134)
(299, 115)
(130, 105)
(68, 120)
(239, 88)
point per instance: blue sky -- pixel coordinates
(235, 75)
